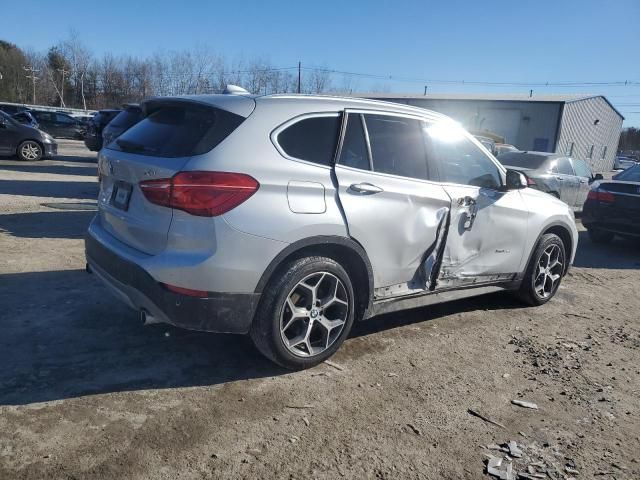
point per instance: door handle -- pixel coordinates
(559, 178)
(365, 188)
(583, 181)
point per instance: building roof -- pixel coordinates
(509, 97)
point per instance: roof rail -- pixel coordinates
(235, 90)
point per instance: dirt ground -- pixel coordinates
(87, 392)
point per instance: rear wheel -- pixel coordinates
(29, 150)
(600, 236)
(544, 272)
(305, 314)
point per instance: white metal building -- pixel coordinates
(582, 126)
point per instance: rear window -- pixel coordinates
(631, 174)
(126, 118)
(312, 139)
(522, 160)
(178, 131)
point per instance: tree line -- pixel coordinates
(69, 75)
(630, 139)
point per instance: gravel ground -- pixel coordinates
(87, 392)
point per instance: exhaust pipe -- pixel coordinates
(147, 319)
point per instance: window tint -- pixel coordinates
(564, 166)
(178, 131)
(631, 174)
(460, 160)
(312, 139)
(61, 118)
(44, 116)
(354, 147)
(581, 168)
(397, 145)
(126, 118)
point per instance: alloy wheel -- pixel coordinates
(314, 314)
(548, 271)
(30, 151)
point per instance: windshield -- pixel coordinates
(631, 174)
(7, 118)
(523, 160)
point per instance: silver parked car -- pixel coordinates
(289, 217)
(568, 179)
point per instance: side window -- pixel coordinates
(564, 166)
(581, 168)
(460, 160)
(397, 145)
(354, 147)
(313, 139)
(63, 119)
(44, 116)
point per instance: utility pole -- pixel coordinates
(63, 71)
(299, 75)
(33, 78)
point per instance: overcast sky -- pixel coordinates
(492, 41)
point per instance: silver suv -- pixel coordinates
(289, 217)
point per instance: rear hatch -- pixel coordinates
(159, 146)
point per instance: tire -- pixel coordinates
(600, 236)
(316, 328)
(530, 291)
(29, 151)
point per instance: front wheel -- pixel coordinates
(29, 151)
(544, 272)
(305, 314)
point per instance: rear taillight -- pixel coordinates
(531, 182)
(601, 196)
(206, 194)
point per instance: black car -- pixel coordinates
(122, 122)
(613, 207)
(27, 143)
(93, 135)
(59, 124)
(26, 118)
(11, 109)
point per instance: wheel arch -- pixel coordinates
(346, 251)
(561, 231)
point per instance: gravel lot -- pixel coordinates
(87, 392)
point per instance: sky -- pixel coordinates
(506, 41)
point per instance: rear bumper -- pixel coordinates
(219, 312)
(610, 219)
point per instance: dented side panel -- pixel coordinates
(486, 236)
(396, 225)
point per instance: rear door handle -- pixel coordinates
(365, 188)
(559, 178)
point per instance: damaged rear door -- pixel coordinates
(488, 226)
(392, 207)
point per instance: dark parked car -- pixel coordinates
(58, 124)
(93, 135)
(563, 177)
(122, 122)
(26, 118)
(27, 143)
(11, 109)
(613, 207)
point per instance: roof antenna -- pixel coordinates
(530, 93)
(425, 90)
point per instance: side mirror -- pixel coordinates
(516, 180)
(3, 124)
(596, 177)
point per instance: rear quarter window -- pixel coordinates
(313, 139)
(178, 131)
